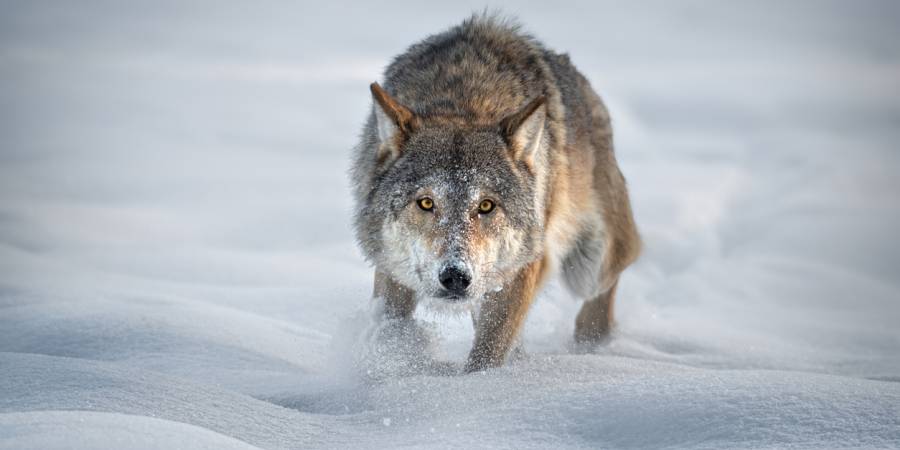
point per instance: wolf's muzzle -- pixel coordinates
(455, 280)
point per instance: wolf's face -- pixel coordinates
(451, 211)
(460, 214)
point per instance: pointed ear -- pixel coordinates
(523, 130)
(394, 121)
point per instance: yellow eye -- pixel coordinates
(426, 203)
(485, 206)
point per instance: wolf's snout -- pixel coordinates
(455, 280)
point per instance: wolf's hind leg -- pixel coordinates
(595, 319)
(591, 271)
(399, 301)
(501, 317)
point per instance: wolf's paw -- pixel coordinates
(589, 343)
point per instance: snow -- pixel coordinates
(81, 429)
(177, 267)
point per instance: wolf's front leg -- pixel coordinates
(502, 316)
(399, 301)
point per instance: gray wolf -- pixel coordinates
(486, 163)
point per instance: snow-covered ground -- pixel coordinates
(177, 267)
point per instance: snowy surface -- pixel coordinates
(177, 268)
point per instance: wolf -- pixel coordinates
(487, 163)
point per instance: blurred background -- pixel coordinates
(173, 185)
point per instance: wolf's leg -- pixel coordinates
(595, 319)
(399, 301)
(501, 318)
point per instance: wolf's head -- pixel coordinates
(453, 209)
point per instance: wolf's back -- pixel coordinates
(480, 70)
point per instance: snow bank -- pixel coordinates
(52, 430)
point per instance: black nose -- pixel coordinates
(455, 280)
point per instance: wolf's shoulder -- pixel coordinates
(482, 69)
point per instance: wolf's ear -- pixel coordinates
(523, 130)
(394, 121)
